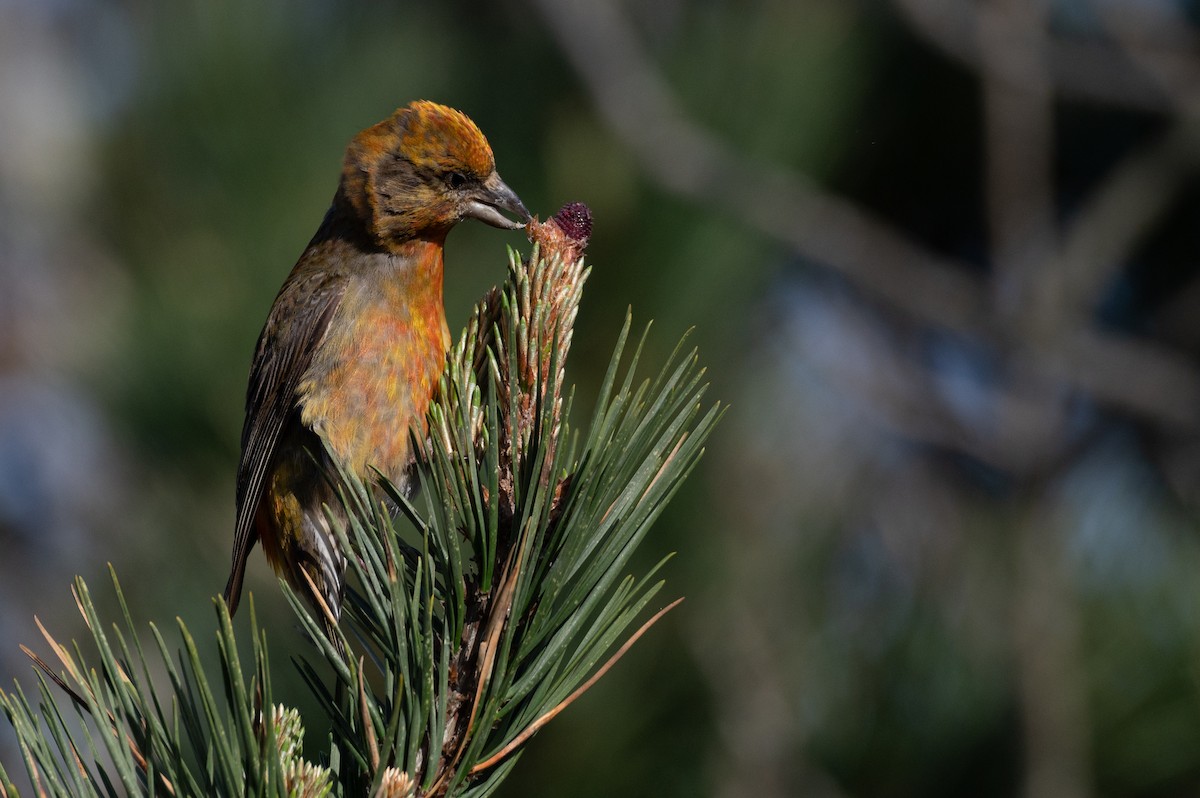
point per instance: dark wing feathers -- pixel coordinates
(295, 328)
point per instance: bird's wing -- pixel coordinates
(295, 328)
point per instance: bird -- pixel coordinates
(354, 344)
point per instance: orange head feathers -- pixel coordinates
(421, 171)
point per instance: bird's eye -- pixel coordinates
(456, 180)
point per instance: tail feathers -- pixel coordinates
(323, 590)
(233, 589)
(324, 566)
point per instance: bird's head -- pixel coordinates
(421, 171)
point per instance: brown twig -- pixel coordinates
(78, 699)
(533, 728)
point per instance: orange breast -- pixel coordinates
(372, 379)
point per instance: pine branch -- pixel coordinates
(482, 607)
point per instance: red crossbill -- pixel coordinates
(353, 347)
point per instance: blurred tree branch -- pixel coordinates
(1093, 71)
(1036, 310)
(639, 105)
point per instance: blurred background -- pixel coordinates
(943, 260)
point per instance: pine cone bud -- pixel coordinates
(575, 219)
